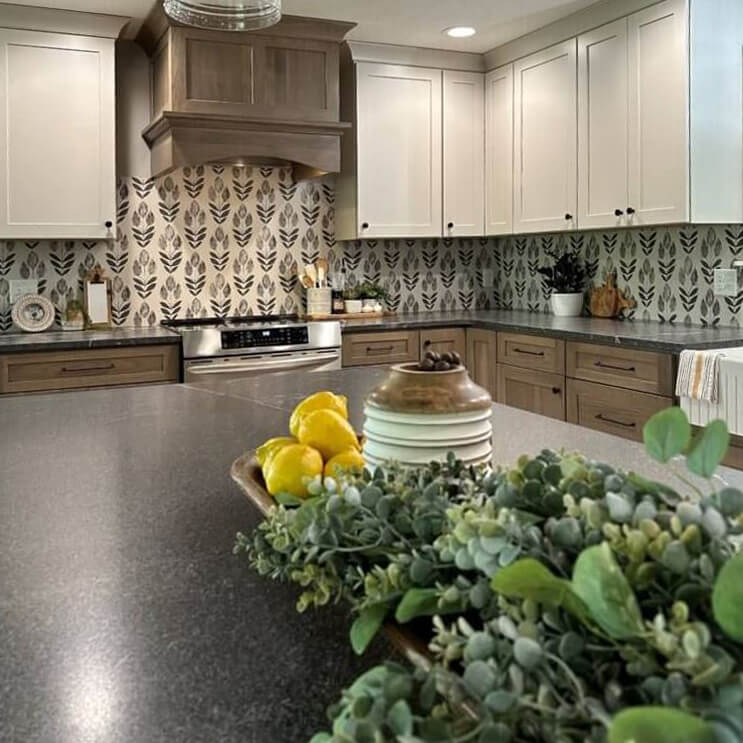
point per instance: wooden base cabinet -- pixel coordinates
(372, 349)
(481, 358)
(535, 391)
(610, 409)
(49, 371)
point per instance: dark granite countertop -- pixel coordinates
(652, 336)
(125, 617)
(59, 340)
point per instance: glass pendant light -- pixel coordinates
(225, 15)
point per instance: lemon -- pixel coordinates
(265, 452)
(319, 401)
(345, 462)
(291, 469)
(328, 432)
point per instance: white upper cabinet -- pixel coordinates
(603, 133)
(57, 136)
(545, 140)
(658, 115)
(464, 149)
(399, 166)
(499, 151)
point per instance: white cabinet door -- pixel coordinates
(464, 149)
(658, 115)
(57, 136)
(603, 190)
(499, 151)
(399, 151)
(545, 134)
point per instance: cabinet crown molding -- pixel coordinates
(413, 56)
(53, 20)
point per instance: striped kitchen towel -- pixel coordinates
(699, 375)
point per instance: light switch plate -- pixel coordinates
(21, 287)
(726, 282)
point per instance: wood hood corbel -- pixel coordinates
(264, 97)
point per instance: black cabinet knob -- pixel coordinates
(618, 212)
(109, 224)
(556, 390)
(364, 225)
(568, 217)
(450, 225)
(630, 210)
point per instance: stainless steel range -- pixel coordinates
(235, 347)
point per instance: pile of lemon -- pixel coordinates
(322, 444)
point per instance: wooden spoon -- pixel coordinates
(309, 269)
(322, 270)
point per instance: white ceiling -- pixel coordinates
(413, 22)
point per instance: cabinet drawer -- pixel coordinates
(620, 412)
(362, 349)
(443, 339)
(49, 370)
(644, 371)
(532, 352)
(535, 391)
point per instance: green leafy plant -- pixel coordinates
(571, 602)
(373, 290)
(566, 275)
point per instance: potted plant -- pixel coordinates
(352, 300)
(372, 297)
(566, 280)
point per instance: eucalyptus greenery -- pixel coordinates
(567, 273)
(571, 602)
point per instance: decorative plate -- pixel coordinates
(33, 313)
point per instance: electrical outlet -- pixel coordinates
(726, 282)
(487, 278)
(20, 287)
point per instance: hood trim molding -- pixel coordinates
(186, 139)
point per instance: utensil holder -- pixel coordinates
(319, 301)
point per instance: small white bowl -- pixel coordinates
(372, 411)
(412, 431)
(424, 455)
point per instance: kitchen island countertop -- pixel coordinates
(125, 616)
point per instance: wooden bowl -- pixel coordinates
(246, 472)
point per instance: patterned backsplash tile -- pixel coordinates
(227, 241)
(669, 271)
(216, 240)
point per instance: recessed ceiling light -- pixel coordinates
(460, 32)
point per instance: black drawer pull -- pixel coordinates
(528, 353)
(603, 418)
(380, 349)
(87, 369)
(602, 365)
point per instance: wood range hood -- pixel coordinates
(268, 97)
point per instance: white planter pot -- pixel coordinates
(352, 306)
(567, 305)
(369, 305)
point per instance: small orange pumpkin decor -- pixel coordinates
(608, 301)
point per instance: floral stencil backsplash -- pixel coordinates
(229, 241)
(669, 271)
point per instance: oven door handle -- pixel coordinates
(237, 367)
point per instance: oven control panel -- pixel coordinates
(265, 337)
